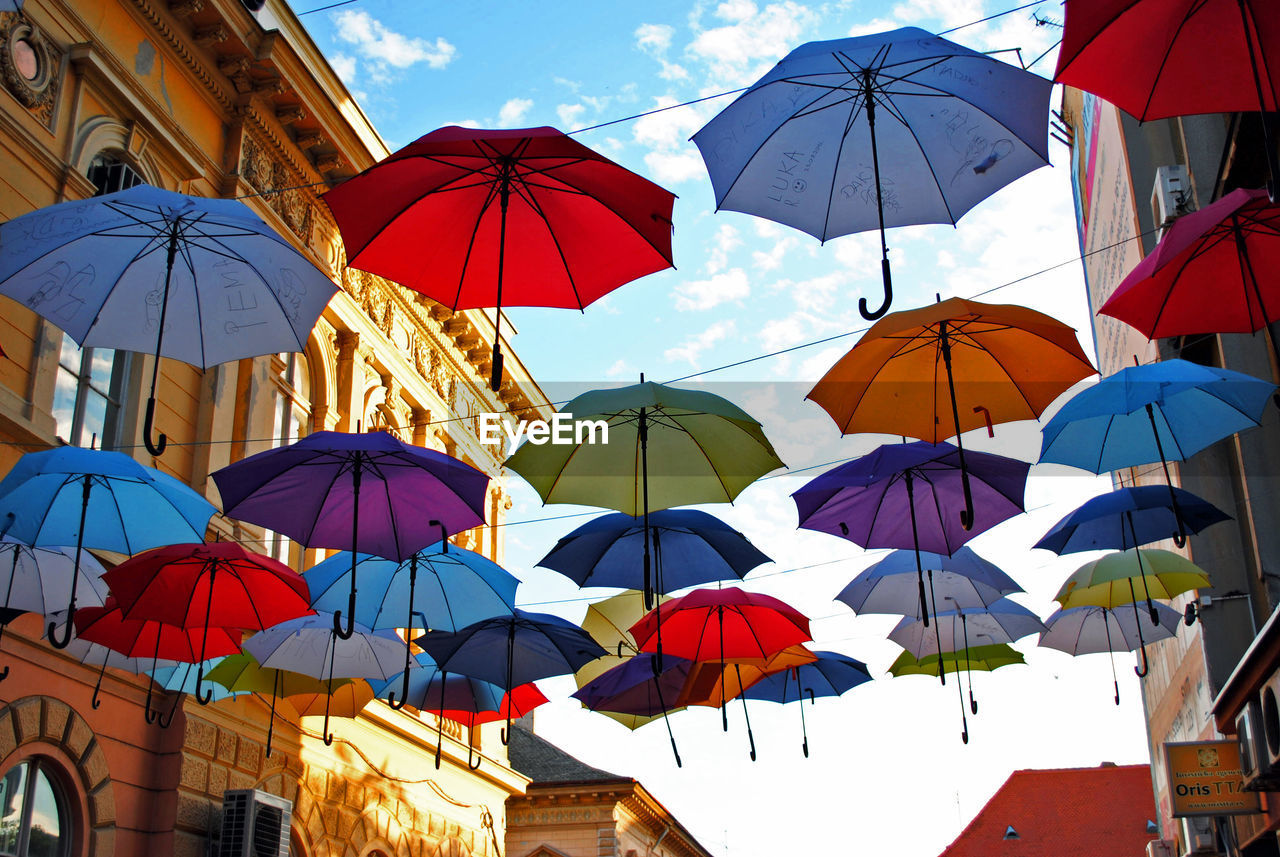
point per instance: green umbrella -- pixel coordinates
(652, 447)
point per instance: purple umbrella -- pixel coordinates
(909, 495)
(639, 686)
(311, 492)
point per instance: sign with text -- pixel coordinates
(1205, 779)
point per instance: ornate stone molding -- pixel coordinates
(30, 66)
(180, 43)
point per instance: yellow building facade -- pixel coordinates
(213, 98)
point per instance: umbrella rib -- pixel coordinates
(1119, 12)
(890, 108)
(1164, 60)
(537, 208)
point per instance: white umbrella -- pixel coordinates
(309, 645)
(1092, 630)
(204, 281)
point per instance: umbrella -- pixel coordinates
(521, 217)
(97, 499)
(1160, 58)
(608, 622)
(1129, 518)
(339, 698)
(1166, 410)
(963, 579)
(139, 638)
(979, 658)
(457, 588)
(872, 501)
(999, 363)
(1109, 582)
(690, 548)
(310, 646)
(243, 674)
(187, 678)
(639, 686)
(1090, 630)
(96, 654)
(200, 585)
(704, 449)
(802, 146)
(830, 674)
(1210, 273)
(463, 699)
(512, 650)
(204, 281)
(35, 580)
(310, 491)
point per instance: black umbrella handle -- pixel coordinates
(155, 447)
(804, 730)
(444, 535)
(478, 758)
(747, 715)
(869, 97)
(872, 315)
(404, 687)
(346, 631)
(203, 696)
(657, 686)
(69, 628)
(96, 702)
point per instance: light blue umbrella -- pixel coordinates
(891, 129)
(181, 678)
(830, 675)
(438, 588)
(97, 499)
(1165, 411)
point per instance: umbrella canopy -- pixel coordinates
(714, 683)
(517, 217)
(979, 658)
(440, 587)
(608, 622)
(38, 580)
(1109, 580)
(1128, 518)
(639, 689)
(187, 678)
(243, 674)
(690, 548)
(829, 674)
(666, 447)
(1167, 410)
(802, 146)
(1002, 622)
(1093, 630)
(910, 495)
(963, 579)
(728, 624)
(1160, 58)
(311, 491)
(1210, 273)
(340, 698)
(1005, 363)
(229, 285)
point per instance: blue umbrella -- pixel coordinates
(832, 674)
(181, 678)
(436, 588)
(802, 146)
(97, 499)
(1162, 411)
(512, 650)
(690, 548)
(1130, 518)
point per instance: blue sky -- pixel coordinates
(888, 773)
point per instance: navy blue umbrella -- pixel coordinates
(512, 650)
(830, 675)
(690, 548)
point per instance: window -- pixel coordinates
(87, 394)
(292, 420)
(34, 815)
(110, 174)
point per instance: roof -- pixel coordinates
(543, 762)
(1100, 811)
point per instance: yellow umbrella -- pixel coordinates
(243, 673)
(346, 700)
(983, 658)
(607, 622)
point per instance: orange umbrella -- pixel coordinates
(955, 365)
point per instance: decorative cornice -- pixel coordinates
(179, 43)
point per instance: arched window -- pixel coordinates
(292, 420)
(110, 173)
(33, 812)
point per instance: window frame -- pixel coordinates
(52, 773)
(115, 395)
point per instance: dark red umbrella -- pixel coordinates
(141, 638)
(518, 217)
(1212, 272)
(1161, 58)
(198, 586)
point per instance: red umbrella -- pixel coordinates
(140, 638)
(518, 217)
(199, 586)
(1161, 58)
(519, 702)
(727, 625)
(1212, 272)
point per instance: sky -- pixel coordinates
(887, 772)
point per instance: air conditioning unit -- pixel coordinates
(1198, 836)
(254, 824)
(1269, 704)
(1171, 195)
(1160, 848)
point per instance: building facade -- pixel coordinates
(1131, 179)
(216, 98)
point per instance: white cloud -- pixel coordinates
(620, 369)
(736, 10)
(691, 349)
(667, 168)
(512, 113)
(726, 241)
(654, 39)
(344, 66)
(383, 49)
(771, 259)
(734, 52)
(731, 285)
(570, 114)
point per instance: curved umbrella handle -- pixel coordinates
(751, 737)
(1141, 671)
(966, 514)
(165, 720)
(96, 703)
(444, 535)
(404, 693)
(156, 447)
(502, 733)
(350, 628)
(479, 758)
(148, 713)
(52, 633)
(871, 315)
(202, 697)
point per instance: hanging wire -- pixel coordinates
(325, 8)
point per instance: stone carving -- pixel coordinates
(29, 66)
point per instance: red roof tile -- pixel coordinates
(1101, 812)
